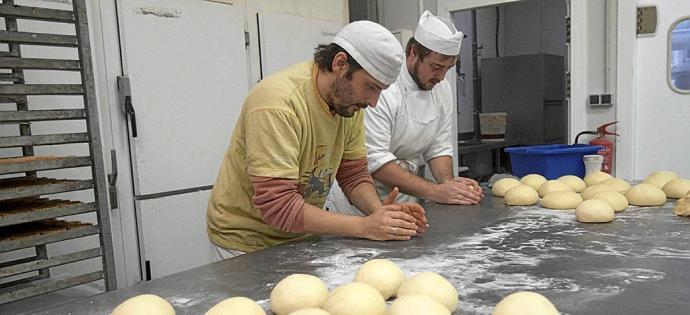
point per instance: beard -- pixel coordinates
(422, 86)
(343, 103)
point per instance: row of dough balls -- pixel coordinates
(607, 194)
(425, 293)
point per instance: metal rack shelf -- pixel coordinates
(39, 64)
(38, 39)
(49, 286)
(24, 267)
(34, 209)
(9, 142)
(44, 234)
(41, 89)
(19, 165)
(41, 115)
(27, 218)
(41, 186)
(44, 14)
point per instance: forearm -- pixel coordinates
(392, 175)
(441, 168)
(365, 198)
(319, 221)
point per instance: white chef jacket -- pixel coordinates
(408, 126)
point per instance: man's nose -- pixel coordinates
(372, 99)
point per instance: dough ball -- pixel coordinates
(310, 311)
(660, 178)
(500, 187)
(415, 304)
(533, 180)
(552, 186)
(594, 211)
(615, 199)
(237, 305)
(296, 292)
(596, 178)
(522, 195)
(433, 285)
(355, 298)
(561, 200)
(682, 207)
(645, 195)
(617, 184)
(590, 191)
(145, 304)
(525, 303)
(576, 183)
(677, 188)
(382, 274)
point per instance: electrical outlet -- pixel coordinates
(594, 100)
(606, 99)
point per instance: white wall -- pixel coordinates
(402, 14)
(596, 64)
(399, 14)
(327, 10)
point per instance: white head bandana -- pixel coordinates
(374, 48)
(437, 34)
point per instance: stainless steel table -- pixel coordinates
(638, 264)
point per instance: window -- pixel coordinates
(679, 56)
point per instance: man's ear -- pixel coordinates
(413, 50)
(340, 64)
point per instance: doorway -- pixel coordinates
(514, 60)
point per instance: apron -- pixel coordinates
(416, 127)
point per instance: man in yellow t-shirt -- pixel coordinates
(300, 129)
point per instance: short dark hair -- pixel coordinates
(324, 54)
(422, 51)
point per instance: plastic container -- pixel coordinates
(551, 161)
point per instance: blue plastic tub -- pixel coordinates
(551, 161)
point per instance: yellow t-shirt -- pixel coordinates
(285, 130)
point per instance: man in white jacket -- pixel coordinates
(411, 125)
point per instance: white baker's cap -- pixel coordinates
(439, 35)
(374, 48)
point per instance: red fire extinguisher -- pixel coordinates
(607, 145)
(607, 151)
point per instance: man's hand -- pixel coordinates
(394, 221)
(462, 191)
(472, 183)
(413, 209)
(391, 222)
